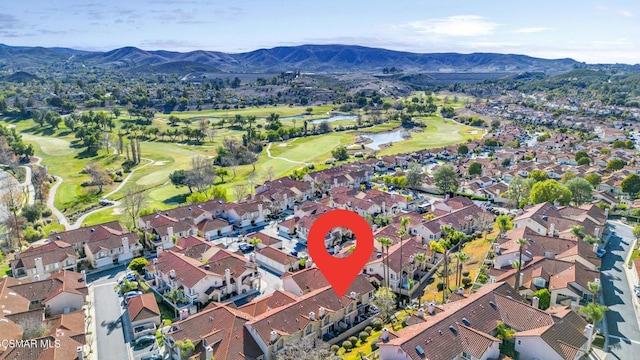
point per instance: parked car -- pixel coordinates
(131, 294)
(145, 340)
(246, 248)
(601, 252)
(128, 277)
(293, 253)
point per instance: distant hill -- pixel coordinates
(306, 58)
(20, 77)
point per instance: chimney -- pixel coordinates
(170, 232)
(353, 295)
(321, 312)
(552, 229)
(208, 352)
(80, 352)
(421, 313)
(536, 302)
(172, 273)
(374, 227)
(260, 210)
(496, 249)
(227, 277)
(432, 308)
(385, 334)
(596, 232)
(84, 275)
(312, 316)
(588, 333)
(148, 224)
(125, 245)
(184, 313)
(412, 259)
(336, 249)
(595, 247)
(460, 291)
(521, 278)
(39, 266)
(159, 251)
(274, 336)
(606, 213)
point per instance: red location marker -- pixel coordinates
(340, 272)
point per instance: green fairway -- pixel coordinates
(283, 111)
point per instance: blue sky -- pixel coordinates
(591, 31)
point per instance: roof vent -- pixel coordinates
(57, 237)
(453, 330)
(465, 321)
(493, 305)
(207, 267)
(378, 255)
(93, 230)
(419, 350)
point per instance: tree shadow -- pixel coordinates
(176, 199)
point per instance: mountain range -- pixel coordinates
(305, 58)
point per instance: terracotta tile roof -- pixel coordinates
(143, 307)
(223, 329)
(188, 270)
(50, 253)
(111, 242)
(224, 259)
(44, 290)
(441, 338)
(88, 233)
(263, 304)
(278, 256)
(294, 317)
(475, 342)
(10, 300)
(215, 224)
(266, 239)
(308, 279)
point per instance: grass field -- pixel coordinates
(59, 153)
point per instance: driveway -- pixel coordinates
(624, 334)
(110, 338)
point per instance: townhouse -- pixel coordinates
(39, 262)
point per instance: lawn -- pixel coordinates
(260, 112)
(477, 251)
(634, 255)
(364, 348)
(438, 133)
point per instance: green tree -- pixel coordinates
(176, 296)
(636, 232)
(550, 191)
(340, 153)
(538, 175)
(475, 169)
(461, 258)
(593, 312)
(631, 185)
(593, 179)
(138, 264)
(463, 149)
(580, 154)
(446, 179)
(519, 190)
(580, 190)
(504, 224)
(414, 177)
(522, 245)
(594, 288)
(197, 198)
(186, 348)
(544, 297)
(584, 161)
(503, 332)
(385, 243)
(385, 300)
(442, 246)
(568, 176)
(615, 164)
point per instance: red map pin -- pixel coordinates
(340, 272)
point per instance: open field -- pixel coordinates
(260, 112)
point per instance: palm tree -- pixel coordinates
(522, 245)
(421, 258)
(593, 312)
(594, 288)
(176, 296)
(441, 246)
(404, 222)
(385, 243)
(461, 258)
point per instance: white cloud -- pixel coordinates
(452, 26)
(530, 30)
(625, 13)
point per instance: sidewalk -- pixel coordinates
(630, 277)
(91, 325)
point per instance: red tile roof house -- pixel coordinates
(224, 274)
(218, 333)
(214, 229)
(248, 214)
(79, 237)
(62, 292)
(319, 313)
(115, 249)
(162, 229)
(44, 260)
(467, 328)
(144, 314)
(276, 260)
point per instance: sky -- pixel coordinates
(585, 30)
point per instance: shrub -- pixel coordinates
(335, 348)
(440, 286)
(354, 340)
(377, 324)
(347, 345)
(368, 329)
(363, 336)
(374, 344)
(483, 278)
(465, 273)
(466, 281)
(46, 212)
(404, 321)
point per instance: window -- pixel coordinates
(56, 266)
(519, 342)
(466, 355)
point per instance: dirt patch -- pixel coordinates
(159, 163)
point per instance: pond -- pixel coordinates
(385, 138)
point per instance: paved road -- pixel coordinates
(110, 338)
(624, 334)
